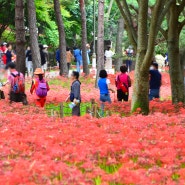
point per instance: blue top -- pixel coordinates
(103, 85)
(155, 79)
(78, 54)
(58, 55)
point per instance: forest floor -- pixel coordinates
(123, 149)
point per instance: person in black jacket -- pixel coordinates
(29, 63)
(42, 56)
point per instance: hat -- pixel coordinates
(45, 46)
(4, 44)
(38, 71)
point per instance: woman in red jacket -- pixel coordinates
(39, 87)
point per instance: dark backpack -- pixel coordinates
(18, 85)
(42, 89)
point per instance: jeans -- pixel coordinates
(154, 93)
(104, 98)
(78, 65)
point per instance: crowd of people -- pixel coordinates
(40, 86)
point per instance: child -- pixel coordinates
(40, 87)
(103, 85)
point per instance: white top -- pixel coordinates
(109, 54)
(107, 81)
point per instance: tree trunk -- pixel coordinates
(100, 41)
(62, 38)
(33, 34)
(176, 75)
(119, 40)
(20, 35)
(84, 37)
(141, 84)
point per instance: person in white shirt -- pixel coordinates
(108, 58)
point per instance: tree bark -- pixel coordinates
(33, 34)
(176, 74)
(84, 37)
(62, 38)
(20, 35)
(119, 40)
(100, 41)
(141, 85)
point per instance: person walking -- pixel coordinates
(155, 82)
(69, 58)
(29, 63)
(39, 88)
(78, 58)
(88, 53)
(123, 82)
(104, 87)
(75, 94)
(17, 85)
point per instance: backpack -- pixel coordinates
(18, 85)
(123, 86)
(42, 89)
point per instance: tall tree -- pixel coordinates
(119, 40)
(33, 34)
(84, 37)
(143, 39)
(100, 43)
(62, 38)
(20, 35)
(173, 36)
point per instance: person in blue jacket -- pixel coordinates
(78, 58)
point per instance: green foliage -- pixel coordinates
(9, 36)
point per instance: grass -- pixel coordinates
(55, 109)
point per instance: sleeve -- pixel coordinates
(76, 90)
(129, 82)
(32, 87)
(48, 88)
(108, 81)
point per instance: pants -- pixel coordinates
(76, 110)
(68, 66)
(104, 98)
(40, 102)
(30, 68)
(18, 97)
(45, 67)
(78, 65)
(154, 93)
(122, 96)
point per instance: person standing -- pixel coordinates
(69, 58)
(58, 57)
(78, 58)
(123, 82)
(104, 86)
(108, 58)
(43, 58)
(39, 87)
(155, 82)
(88, 53)
(17, 85)
(75, 94)
(45, 50)
(9, 54)
(3, 53)
(29, 63)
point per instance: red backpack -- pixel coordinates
(18, 85)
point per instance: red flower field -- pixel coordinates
(122, 149)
